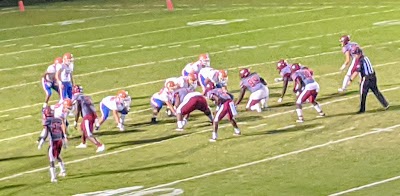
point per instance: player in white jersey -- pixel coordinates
(116, 104)
(64, 76)
(189, 81)
(163, 97)
(195, 67)
(48, 80)
(218, 77)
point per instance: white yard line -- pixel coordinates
(257, 126)
(347, 129)
(182, 27)
(23, 117)
(315, 128)
(19, 136)
(366, 186)
(285, 127)
(274, 157)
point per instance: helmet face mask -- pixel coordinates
(67, 104)
(244, 73)
(122, 94)
(345, 39)
(67, 58)
(295, 67)
(281, 64)
(77, 89)
(205, 60)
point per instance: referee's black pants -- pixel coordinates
(369, 82)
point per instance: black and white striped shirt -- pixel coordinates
(365, 67)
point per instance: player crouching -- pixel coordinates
(163, 97)
(116, 104)
(258, 88)
(226, 106)
(306, 88)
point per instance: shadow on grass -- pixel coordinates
(394, 108)
(11, 186)
(19, 157)
(125, 170)
(298, 127)
(144, 141)
(334, 95)
(117, 132)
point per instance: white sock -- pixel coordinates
(346, 80)
(256, 107)
(318, 108)
(299, 113)
(122, 118)
(52, 172)
(262, 102)
(180, 124)
(96, 122)
(237, 130)
(62, 167)
(214, 135)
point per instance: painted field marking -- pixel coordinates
(2, 116)
(366, 186)
(348, 129)
(275, 157)
(257, 126)
(315, 128)
(19, 136)
(126, 36)
(285, 127)
(23, 117)
(206, 130)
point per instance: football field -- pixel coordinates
(135, 45)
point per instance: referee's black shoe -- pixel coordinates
(360, 112)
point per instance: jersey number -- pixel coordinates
(254, 80)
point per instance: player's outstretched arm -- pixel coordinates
(285, 84)
(241, 95)
(346, 61)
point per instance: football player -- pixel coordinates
(218, 77)
(56, 131)
(163, 97)
(195, 67)
(258, 88)
(284, 71)
(86, 109)
(306, 88)
(118, 104)
(224, 102)
(64, 76)
(48, 80)
(192, 101)
(349, 60)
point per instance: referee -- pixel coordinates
(368, 79)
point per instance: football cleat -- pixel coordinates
(81, 145)
(101, 148)
(212, 140)
(53, 180)
(121, 127)
(62, 174)
(179, 129)
(321, 114)
(341, 90)
(300, 120)
(153, 120)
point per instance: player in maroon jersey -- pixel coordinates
(258, 88)
(226, 106)
(192, 101)
(55, 130)
(86, 109)
(306, 88)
